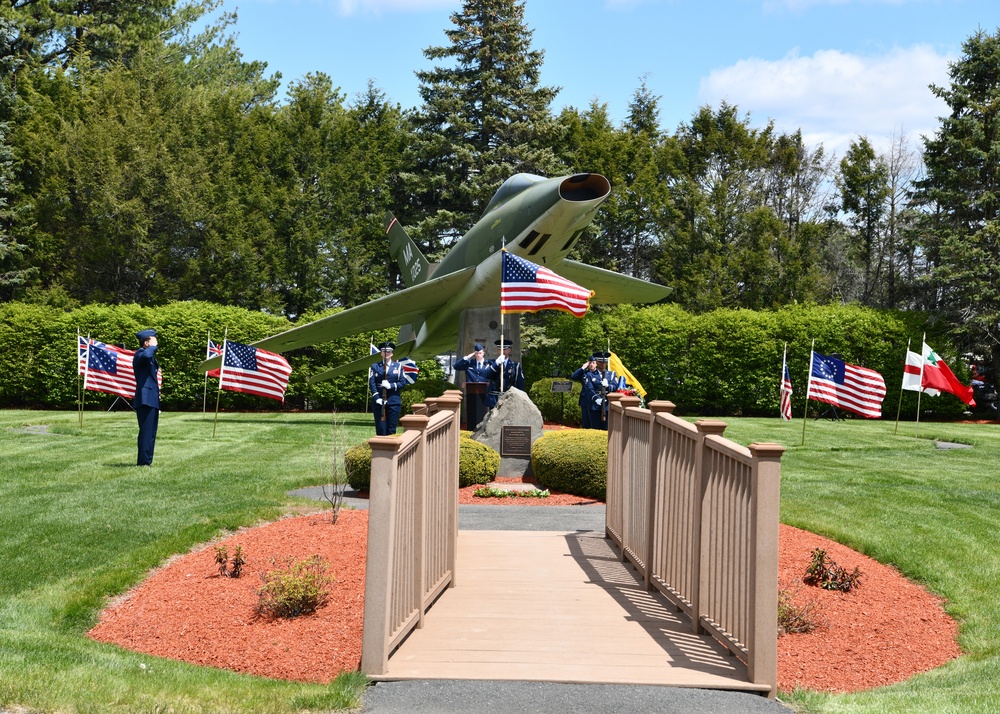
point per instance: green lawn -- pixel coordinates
(80, 523)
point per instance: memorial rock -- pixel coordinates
(510, 428)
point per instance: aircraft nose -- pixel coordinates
(584, 187)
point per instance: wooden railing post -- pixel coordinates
(654, 485)
(378, 568)
(451, 401)
(699, 523)
(418, 422)
(626, 475)
(763, 665)
(613, 490)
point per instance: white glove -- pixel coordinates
(500, 359)
(385, 384)
(604, 383)
(378, 401)
(598, 401)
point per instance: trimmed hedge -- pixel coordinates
(477, 463)
(728, 362)
(572, 461)
(38, 355)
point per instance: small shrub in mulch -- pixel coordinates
(794, 618)
(823, 572)
(294, 587)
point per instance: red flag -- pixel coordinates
(937, 375)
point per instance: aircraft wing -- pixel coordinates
(358, 365)
(610, 287)
(399, 308)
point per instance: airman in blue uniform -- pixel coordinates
(385, 382)
(478, 369)
(513, 375)
(147, 394)
(597, 382)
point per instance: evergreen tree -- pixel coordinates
(484, 118)
(961, 196)
(863, 182)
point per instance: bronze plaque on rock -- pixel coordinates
(515, 441)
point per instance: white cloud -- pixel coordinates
(834, 96)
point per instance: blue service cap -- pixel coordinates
(388, 345)
(477, 347)
(145, 335)
(505, 345)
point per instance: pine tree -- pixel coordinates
(484, 118)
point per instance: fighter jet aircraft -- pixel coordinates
(539, 219)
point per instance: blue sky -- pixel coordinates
(836, 69)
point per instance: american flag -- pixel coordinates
(856, 389)
(786, 393)
(106, 368)
(254, 371)
(526, 287)
(410, 370)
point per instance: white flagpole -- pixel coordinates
(86, 358)
(368, 396)
(899, 408)
(222, 371)
(208, 354)
(781, 384)
(916, 428)
(805, 411)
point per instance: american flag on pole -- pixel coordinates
(526, 287)
(786, 391)
(252, 370)
(106, 368)
(856, 389)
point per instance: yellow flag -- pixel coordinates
(616, 365)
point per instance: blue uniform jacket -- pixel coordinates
(394, 374)
(145, 366)
(513, 376)
(475, 372)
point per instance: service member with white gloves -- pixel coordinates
(385, 382)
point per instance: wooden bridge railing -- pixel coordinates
(698, 517)
(412, 525)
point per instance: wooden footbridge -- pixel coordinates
(680, 590)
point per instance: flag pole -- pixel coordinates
(898, 408)
(79, 391)
(805, 412)
(208, 354)
(368, 396)
(781, 384)
(222, 369)
(501, 350)
(916, 428)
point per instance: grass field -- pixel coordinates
(80, 523)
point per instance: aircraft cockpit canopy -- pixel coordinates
(512, 186)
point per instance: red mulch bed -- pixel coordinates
(886, 631)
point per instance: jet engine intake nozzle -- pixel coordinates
(584, 187)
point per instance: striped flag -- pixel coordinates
(913, 372)
(410, 370)
(252, 370)
(106, 368)
(786, 391)
(526, 287)
(848, 386)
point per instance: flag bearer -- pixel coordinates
(147, 395)
(385, 382)
(608, 384)
(513, 376)
(591, 401)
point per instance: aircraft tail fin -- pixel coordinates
(413, 266)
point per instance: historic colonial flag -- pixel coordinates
(212, 350)
(848, 386)
(938, 375)
(913, 372)
(252, 370)
(526, 287)
(615, 365)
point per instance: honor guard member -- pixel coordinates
(147, 394)
(591, 400)
(385, 382)
(608, 384)
(513, 376)
(478, 369)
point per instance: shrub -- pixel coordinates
(825, 573)
(560, 408)
(477, 463)
(294, 587)
(573, 461)
(358, 465)
(794, 618)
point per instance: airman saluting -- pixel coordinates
(478, 369)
